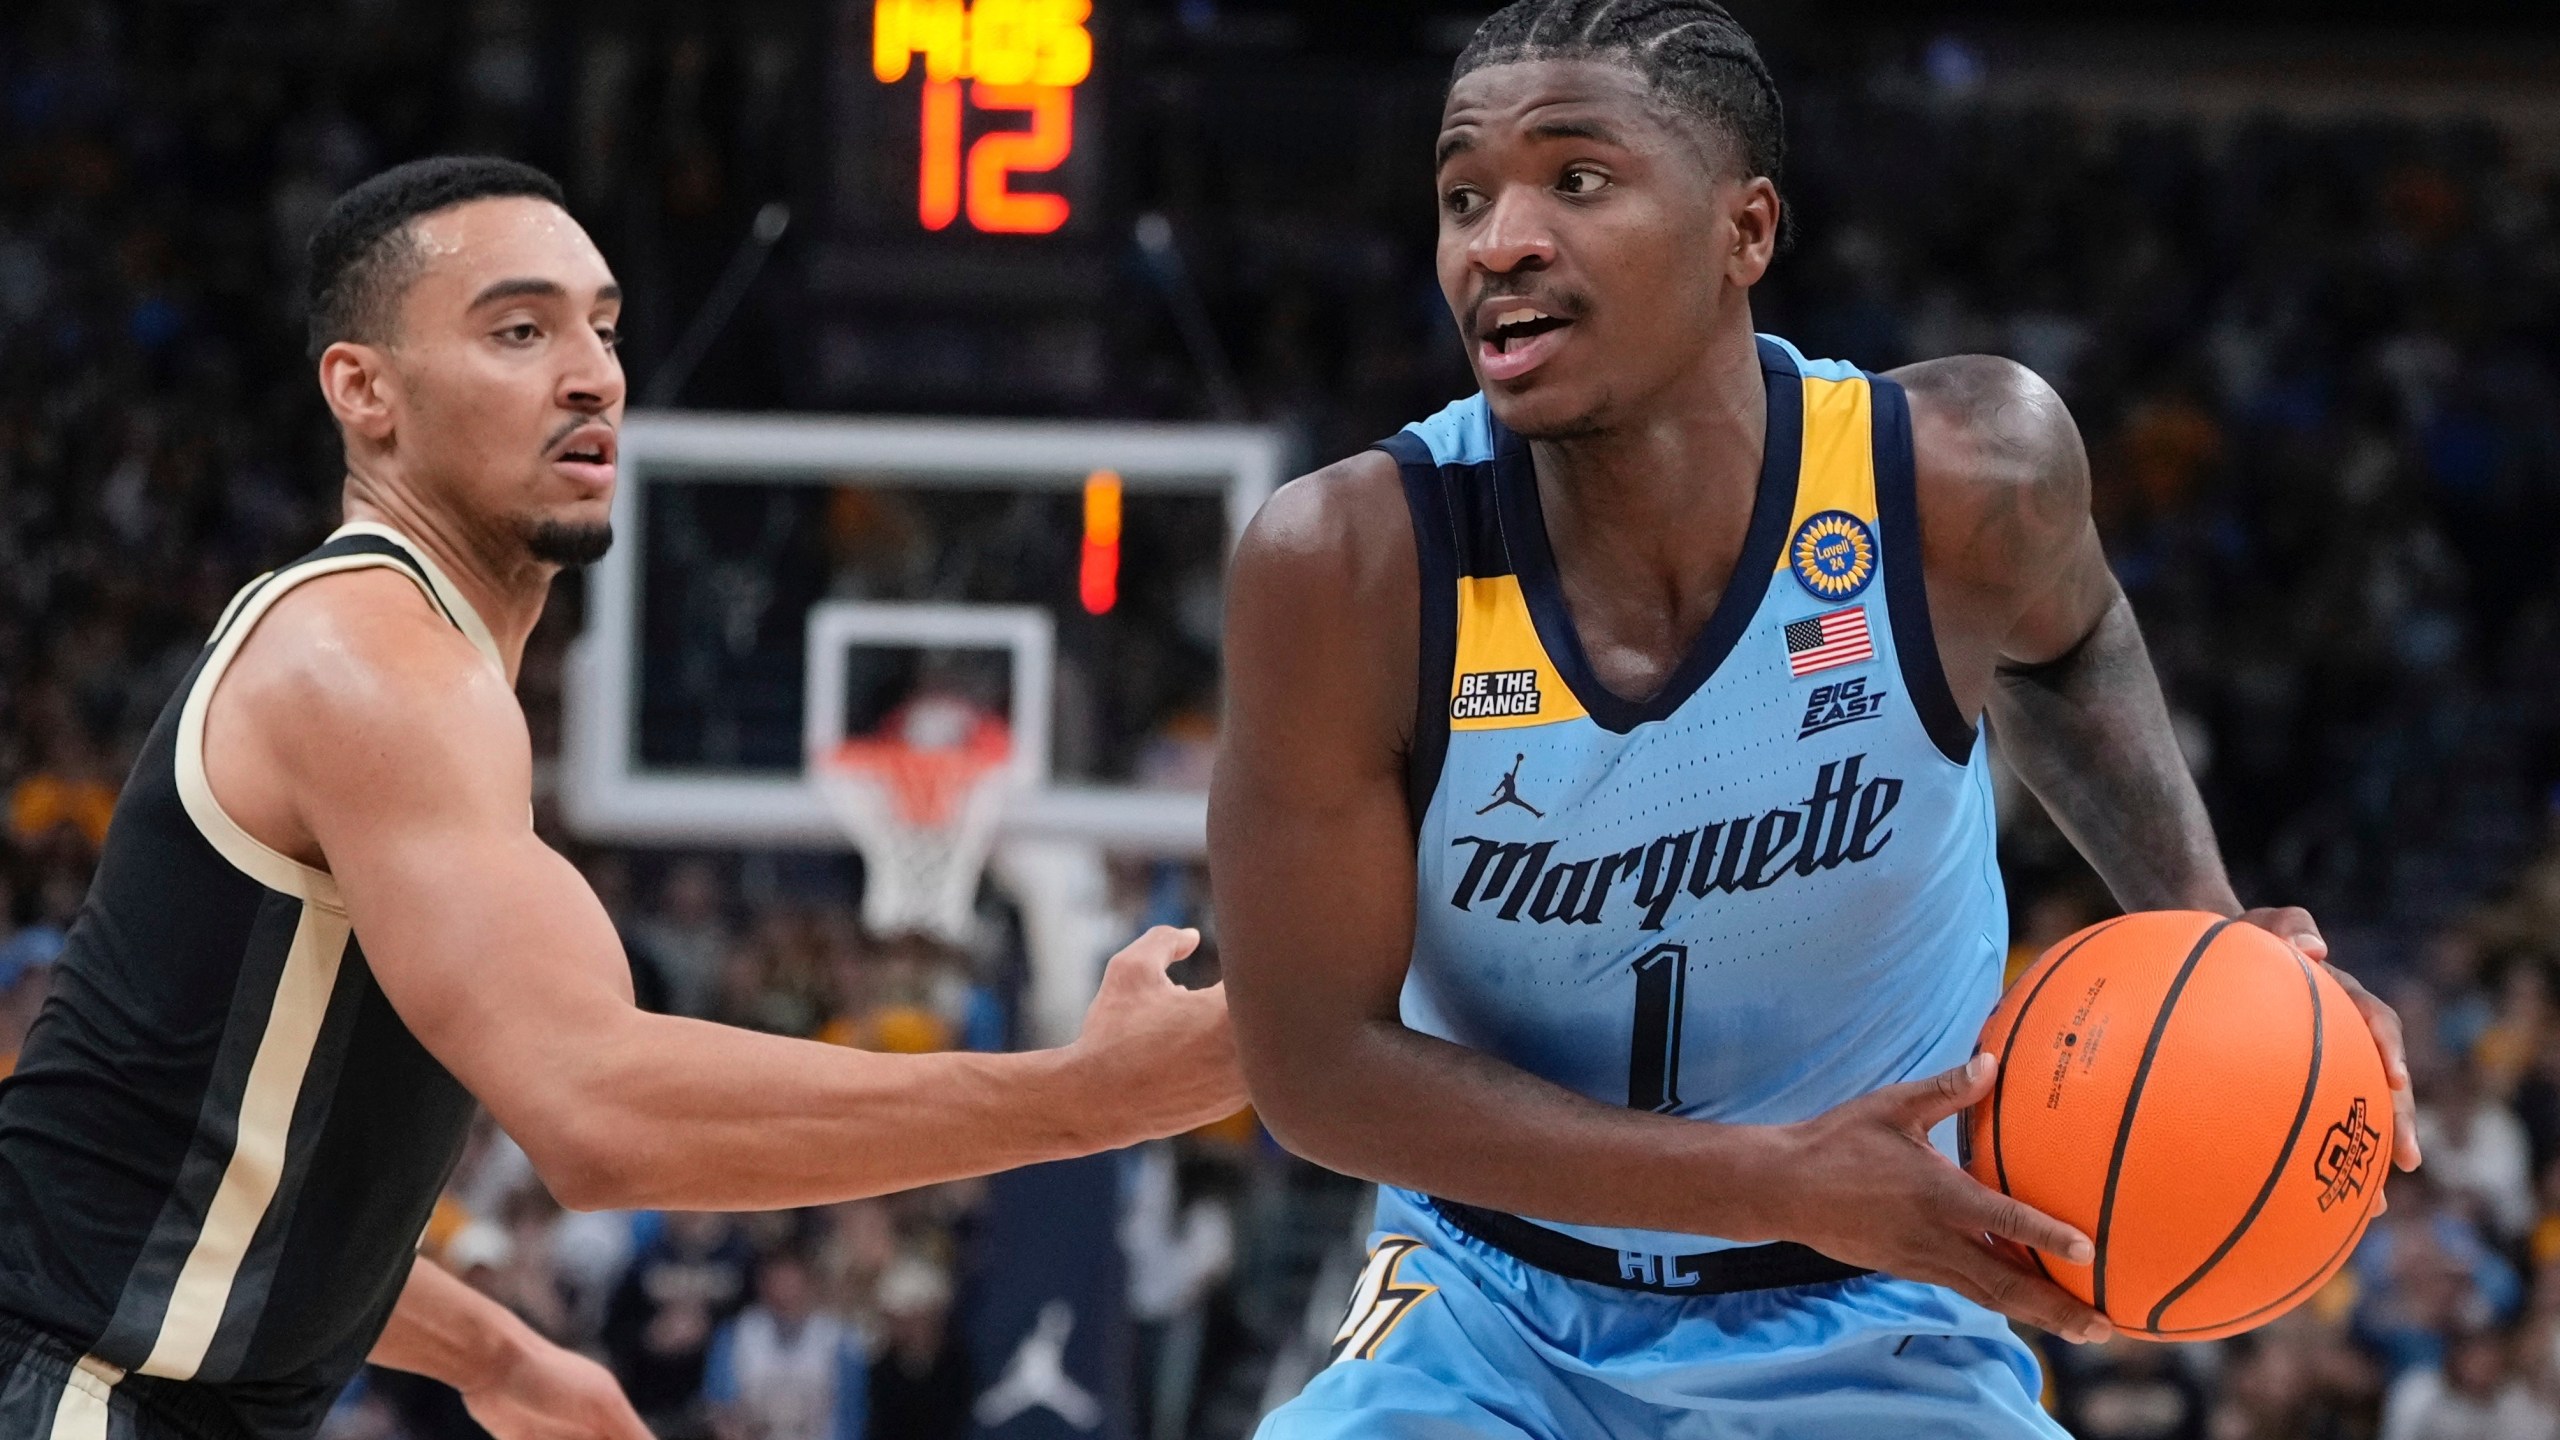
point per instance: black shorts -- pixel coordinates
(49, 1391)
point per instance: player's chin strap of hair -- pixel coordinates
(1713, 1272)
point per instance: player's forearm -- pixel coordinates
(680, 1114)
(1389, 1104)
(2091, 736)
(445, 1329)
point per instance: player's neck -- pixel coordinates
(500, 582)
(1649, 496)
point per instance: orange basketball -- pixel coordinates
(2202, 1103)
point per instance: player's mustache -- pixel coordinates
(1563, 304)
(574, 425)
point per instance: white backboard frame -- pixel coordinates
(605, 796)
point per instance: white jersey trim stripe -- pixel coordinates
(474, 628)
(83, 1411)
(249, 1180)
(246, 853)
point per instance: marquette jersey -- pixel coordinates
(1765, 890)
(221, 1144)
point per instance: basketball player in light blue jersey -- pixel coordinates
(1603, 834)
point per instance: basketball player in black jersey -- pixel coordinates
(323, 926)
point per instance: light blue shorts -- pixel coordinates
(1449, 1337)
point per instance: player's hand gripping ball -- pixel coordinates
(2203, 1103)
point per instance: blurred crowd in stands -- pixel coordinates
(2318, 365)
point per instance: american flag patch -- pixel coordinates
(1826, 642)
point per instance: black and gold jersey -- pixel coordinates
(221, 1144)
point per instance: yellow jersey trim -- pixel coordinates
(1839, 467)
(1504, 678)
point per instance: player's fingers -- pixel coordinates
(2404, 1130)
(1923, 1103)
(2388, 1037)
(1205, 1008)
(1157, 950)
(2383, 1021)
(1985, 1277)
(1984, 1210)
(2293, 925)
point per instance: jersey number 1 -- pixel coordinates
(1653, 1054)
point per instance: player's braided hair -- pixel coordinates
(1690, 52)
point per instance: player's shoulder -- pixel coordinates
(1323, 618)
(363, 651)
(1985, 421)
(1998, 458)
(1354, 510)
(1339, 530)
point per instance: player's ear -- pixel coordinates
(1752, 210)
(355, 379)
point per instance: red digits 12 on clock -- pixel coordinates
(1019, 56)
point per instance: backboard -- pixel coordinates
(690, 700)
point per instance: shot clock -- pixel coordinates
(965, 257)
(1006, 70)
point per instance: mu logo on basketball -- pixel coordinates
(2345, 1156)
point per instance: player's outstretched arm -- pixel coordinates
(2034, 627)
(358, 726)
(1311, 849)
(518, 1385)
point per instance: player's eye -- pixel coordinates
(1579, 181)
(1463, 200)
(523, 332)
(611, 335)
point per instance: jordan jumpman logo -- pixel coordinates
(1507, 792)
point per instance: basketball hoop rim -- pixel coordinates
(927, 789)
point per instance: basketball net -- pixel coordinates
(921, 798)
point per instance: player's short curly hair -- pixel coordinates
(1690, 52)
(363, 256)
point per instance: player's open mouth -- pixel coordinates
(587, 454)
(1518, 340)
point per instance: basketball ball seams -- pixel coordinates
(2222, 1081)
(2133, 1105)
(2018, 1023)
(2328, 1270)
(2275, 1172)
